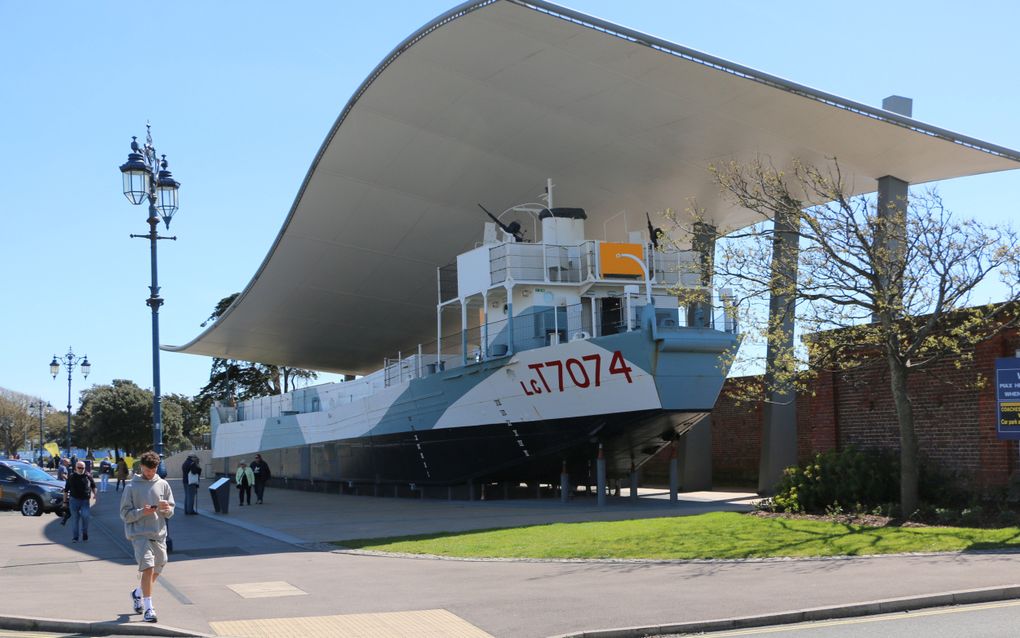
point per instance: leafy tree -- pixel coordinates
(194, 420)
(16, 409)
(234, 380)
(15, 421)
(120, 415)
(888, 288)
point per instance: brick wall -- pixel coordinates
(955, 420)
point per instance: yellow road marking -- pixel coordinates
(812, 624)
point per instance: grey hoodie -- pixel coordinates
(137, 495)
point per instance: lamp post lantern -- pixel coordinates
(70, 361)
(41, 406)
(148, 178)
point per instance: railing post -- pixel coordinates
(509, 320)
(463, 331)
(485, 325)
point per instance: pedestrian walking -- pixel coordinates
(245, 479)
(122, 473)
(105, 470)
(262, 474)
(146, 505)
(191, 473)
(62, 466)
(79, 489)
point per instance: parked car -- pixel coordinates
(29, 489)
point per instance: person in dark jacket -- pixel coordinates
(105, 470)
(191, 474)
(79, 489)
(262, 474)
(121, 473)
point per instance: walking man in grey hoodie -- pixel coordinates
(145, 506)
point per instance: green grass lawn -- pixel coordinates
(716, 535)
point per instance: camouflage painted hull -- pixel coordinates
(515, 417)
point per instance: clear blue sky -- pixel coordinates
(241, 95)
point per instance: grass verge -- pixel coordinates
(715, 535)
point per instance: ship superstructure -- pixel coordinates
(545, 350)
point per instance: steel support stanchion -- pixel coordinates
(633, 482)
(600, 477)
(674, 475)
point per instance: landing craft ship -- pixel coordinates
(548, 336)
(566, 344)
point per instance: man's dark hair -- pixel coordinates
(149, 459)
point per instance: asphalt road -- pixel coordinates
(528, 599)
(989, 620)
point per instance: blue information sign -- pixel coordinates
(1007, 398)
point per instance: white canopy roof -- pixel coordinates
(482, 105)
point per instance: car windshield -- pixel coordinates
(30, 472)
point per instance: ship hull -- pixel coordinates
(520, 417)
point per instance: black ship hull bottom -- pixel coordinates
(524, 452)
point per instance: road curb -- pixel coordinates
(886, 606)
(102, 628)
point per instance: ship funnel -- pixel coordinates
(562, 226)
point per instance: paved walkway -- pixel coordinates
(257, 571)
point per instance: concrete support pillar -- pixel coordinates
(600, 477)
(564, 484)
(779, 431)
(699, 313)
(449, 492)
(890, 238)
(694, 451)
(891, 234)
(471, 489)
(674, 475)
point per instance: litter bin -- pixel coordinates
(219, 493)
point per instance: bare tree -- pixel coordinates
(891, 288)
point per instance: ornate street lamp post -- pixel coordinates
(147, 178)
(70, 361)
(40, 406)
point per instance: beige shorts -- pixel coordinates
(149, 553)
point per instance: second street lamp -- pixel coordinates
(40, 406)
(70, 361)
(146, 177)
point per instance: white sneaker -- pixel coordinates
(150, 615)
(137, 600)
